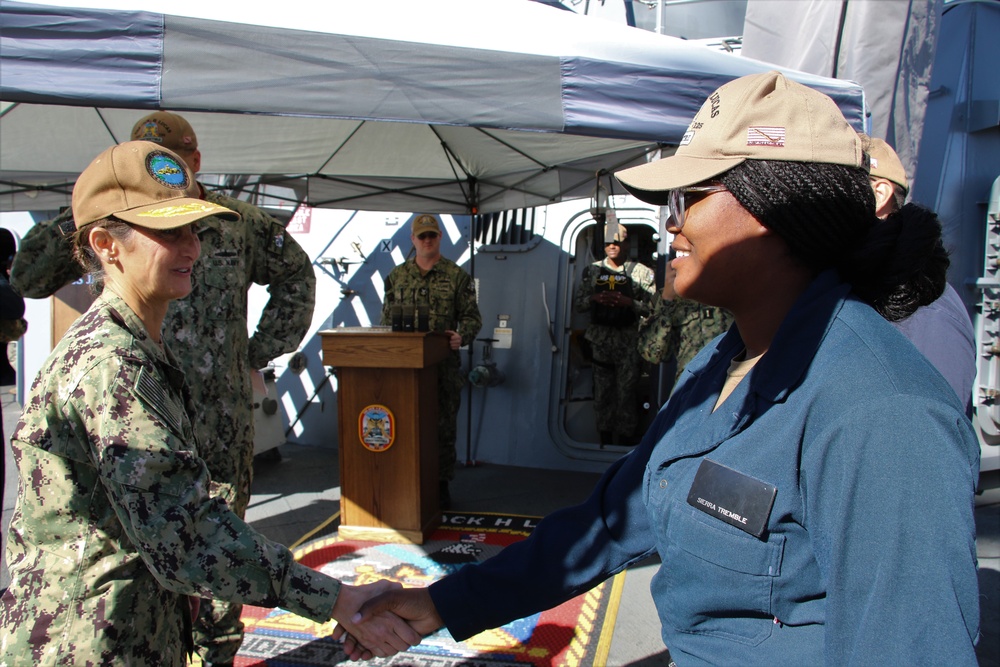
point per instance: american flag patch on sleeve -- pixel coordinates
(151, 391)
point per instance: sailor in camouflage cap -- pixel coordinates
(208, 330)
(115, 534)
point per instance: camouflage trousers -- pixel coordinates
(450, 383)
(218, 631)
(616, 366)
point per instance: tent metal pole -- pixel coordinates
(473, 220)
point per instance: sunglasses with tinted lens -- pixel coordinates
(427, 235)
(682, 198)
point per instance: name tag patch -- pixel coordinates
(731, 496)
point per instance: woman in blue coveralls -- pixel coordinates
(809, 484)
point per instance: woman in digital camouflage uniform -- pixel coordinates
(115, 535)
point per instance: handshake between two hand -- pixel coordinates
(382, 619)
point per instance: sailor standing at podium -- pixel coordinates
(446, 290)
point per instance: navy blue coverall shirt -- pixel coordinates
(867, 555)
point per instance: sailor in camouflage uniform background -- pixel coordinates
(678, 328)
(208, 332)
(114, 525)
(12, 322)
(12, 327)
(436, 280)
(616, 292)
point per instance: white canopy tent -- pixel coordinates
(448, 106)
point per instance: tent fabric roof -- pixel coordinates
(442, 105)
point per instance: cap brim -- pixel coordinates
(652, 182)
(171, 213)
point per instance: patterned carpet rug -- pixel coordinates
(577, 633)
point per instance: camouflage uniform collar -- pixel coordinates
(123, 313)
(440, 265)
(624, 267)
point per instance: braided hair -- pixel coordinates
(826, 215)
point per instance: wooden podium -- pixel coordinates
(387, 409)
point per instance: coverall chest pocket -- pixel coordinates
(717, 580)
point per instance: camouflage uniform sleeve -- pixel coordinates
(44, 261)
(642, 297)
(581, 299)
(659, 339)
(191, 542)
(280, 263)
(470, 321)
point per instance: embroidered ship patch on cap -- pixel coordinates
(166, 170)
(150, 131)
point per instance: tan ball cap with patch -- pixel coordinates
(757, 117)
(167, 129)
(142, 183)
